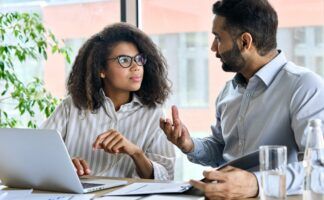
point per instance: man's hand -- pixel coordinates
(228, 183)
(81, 166)
(177, 133)
(114, 142)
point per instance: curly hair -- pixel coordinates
(84, 84)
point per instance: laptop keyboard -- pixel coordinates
(90, 185)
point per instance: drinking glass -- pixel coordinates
(273, 161)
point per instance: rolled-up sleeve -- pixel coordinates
(162, 155)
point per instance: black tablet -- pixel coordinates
(249, 162)
(245, 162)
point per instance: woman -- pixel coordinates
(110, 120)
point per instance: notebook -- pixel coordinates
(35, 158)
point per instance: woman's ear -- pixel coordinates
(102, 75)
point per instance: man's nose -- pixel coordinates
(214, 48)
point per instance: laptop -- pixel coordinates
(35, 158)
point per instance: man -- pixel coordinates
(268, 102)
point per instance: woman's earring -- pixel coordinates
(102, 75)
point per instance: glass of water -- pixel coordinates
(273, 161)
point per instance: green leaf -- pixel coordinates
(40, 28)
(55, 49)
(30, 124)
(31, 41)
(1, 66)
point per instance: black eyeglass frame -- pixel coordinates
(135, 58)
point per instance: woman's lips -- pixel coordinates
(136, 78)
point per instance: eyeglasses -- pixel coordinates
(125, 61)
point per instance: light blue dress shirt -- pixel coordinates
(271, 109)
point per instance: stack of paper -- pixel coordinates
(150, 188)
(14, 194)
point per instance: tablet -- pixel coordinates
(249, 162)
(245, 162)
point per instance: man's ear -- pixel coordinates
(246, 41)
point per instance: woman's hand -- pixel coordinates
(114, 142)
(81, 166)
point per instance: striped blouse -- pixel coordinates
(138, 123)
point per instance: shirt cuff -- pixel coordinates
(289, 192)
(258, 177)
(273, 180)
(159, 171)
(197, 150)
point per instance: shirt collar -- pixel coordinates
(239, 80)
(133, 103)
(267, 73)
(136, 99)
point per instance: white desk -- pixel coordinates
(168, 197)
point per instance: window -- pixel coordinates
(186, 54)
(181, 29)
(304, 46)
(319, 35)
(319, 64)
(74, 44)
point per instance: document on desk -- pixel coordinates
(151, 188)
(45, 196)
(120, 198)
(14, 194)
(173, 197)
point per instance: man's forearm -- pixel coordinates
(206, 152)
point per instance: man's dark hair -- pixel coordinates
(256, 17)
(84, 83)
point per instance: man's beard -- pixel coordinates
(232, 59)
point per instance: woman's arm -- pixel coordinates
(144, 167)
(114, 142)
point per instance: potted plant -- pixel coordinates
(22, 37)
